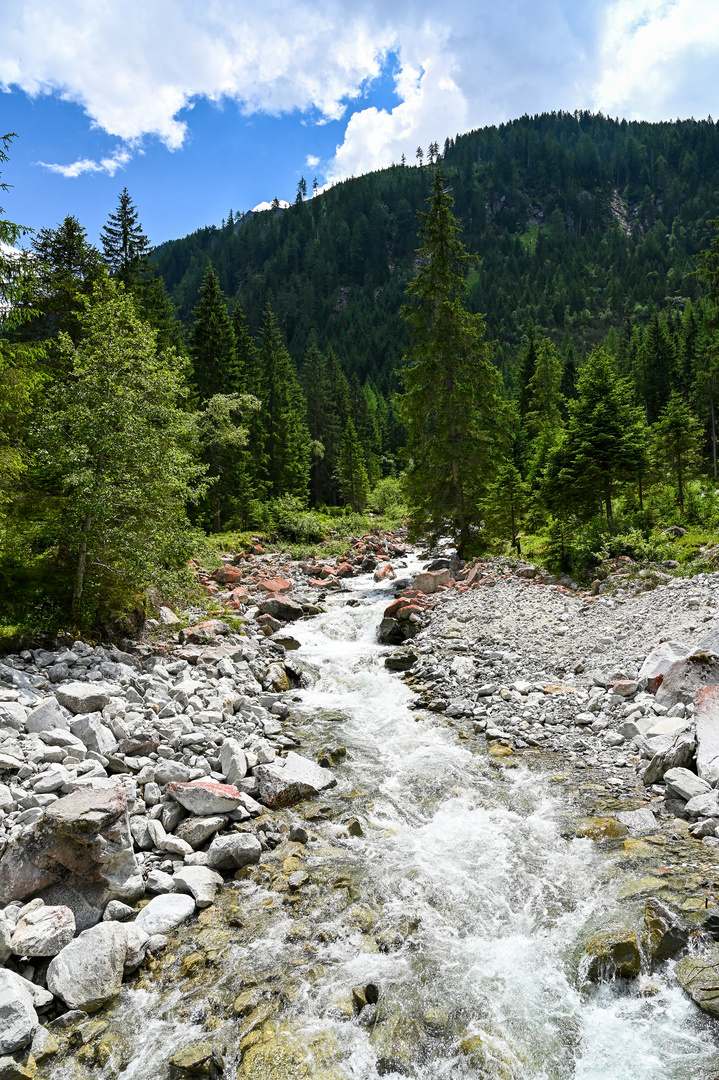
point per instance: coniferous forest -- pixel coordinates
(514, 340)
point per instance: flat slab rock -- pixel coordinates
(80, 697)
(204, 798)
(298, 779)
(165, 912)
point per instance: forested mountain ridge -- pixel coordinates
(579, 221)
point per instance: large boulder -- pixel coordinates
(87, 974)
(80, 697)
(203, 632)
(682, 680)
(204, 798)
(298, 779)
(18, 1018)
(675, 753)
(281, 608)
(196, 831)
(613, 953)
(44, 931)
(667, 934)
(200, 882)
(430, 580)
(706, 715)
(659, 661)
(94, 734)
(684, 784)
(46, 717)
(234, 851)
(82, 841)
(165, 912)
(698, 975)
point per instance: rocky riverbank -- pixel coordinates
(162, 804)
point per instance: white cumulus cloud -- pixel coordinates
(136, 68)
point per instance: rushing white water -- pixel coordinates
(502, 901)
(493, 901)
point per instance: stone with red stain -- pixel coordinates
(205, 797)
(431, 580)
(384, 572)
(203, 632)
(706, 715)
(317, 583)
(406, 611)
(659, 661)
(275, 585)
(625, 688)
(391, 610)
(345, 570)
(227, 575)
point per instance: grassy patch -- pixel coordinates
(528, 239)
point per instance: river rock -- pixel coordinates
(667, 934)
(677, 754)
(46, 717)
(18, 1018)
(639, 822)
(659, 661)
(44, 931)
(82, 840)
(203, 632)
(684, 784)
(13, 715)
(87, 974)
(685, 677)
(233, 761)
(703, 806)
(165, 912)
(298, 779)
(698, 975)
(281, 608)
(234, 851)
(204, 798)
(94, 734)
(138, 941)
(200, 882)
(172, 772)
(706, 715)
(196, 831)
(430, 580)
(613, 953)
(80, 697)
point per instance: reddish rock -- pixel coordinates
(403, 613)
(205, 797)
(203, 632)
(268, 620)
(391, 610)
(344, 570)
(384, 572)
(276, 585)
(227, 575)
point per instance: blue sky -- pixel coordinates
(197, 108)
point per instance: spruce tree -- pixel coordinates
(125, 245)
(212, 341)
(287, 440)
(602, 446)
(452, 405)
(675, 443)
(351, 470)
(505, 504)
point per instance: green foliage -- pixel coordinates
(505, 504)
(113, 464)
(452, 405)
(387, 496)
(286, 438)
(212, 342)
(354, 482)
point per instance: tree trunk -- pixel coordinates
(81, 564)
(641, 494)
(679, 481)
(608, 500)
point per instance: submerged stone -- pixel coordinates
(699, 977)
(613, 953)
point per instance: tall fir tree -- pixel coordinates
(67, 267)
(124, 244)
(286, 435)
(351, 470)
(212, 341)
(675, 443)
(453, 407)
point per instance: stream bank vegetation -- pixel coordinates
(161, 405)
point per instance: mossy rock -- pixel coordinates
(602, 828)
(613, 952)
(200, 1059)
(20, 1066)
(699, 977)
(287, 1054)
(490, 1057)
(397, 1042)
